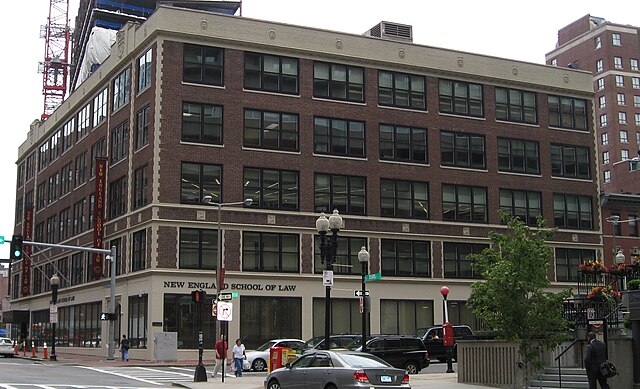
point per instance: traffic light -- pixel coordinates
(198, 296)
(16, 247)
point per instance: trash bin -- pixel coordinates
(277, 357)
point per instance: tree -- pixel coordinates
(511, 299)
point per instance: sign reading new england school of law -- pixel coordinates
(235, 286)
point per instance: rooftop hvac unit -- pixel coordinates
(391, 31)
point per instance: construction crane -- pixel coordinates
(54, 68)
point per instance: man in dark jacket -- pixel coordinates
(595, 355)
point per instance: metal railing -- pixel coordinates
(562, 353)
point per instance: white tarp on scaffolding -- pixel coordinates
(97, 50)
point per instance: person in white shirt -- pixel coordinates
(238, 356)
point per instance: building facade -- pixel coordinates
(419, 148)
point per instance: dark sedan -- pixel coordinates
(337, 369)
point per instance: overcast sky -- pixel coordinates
(517, 30)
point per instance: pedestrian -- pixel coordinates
(239, 356)
(221, 355)
(596, 354)
(124, 348)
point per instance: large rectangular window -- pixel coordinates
(268, 252)
(404, 317)
(406, 144)
(345, 316)
(339, 82)
(78, 216)
(271, 130)
(272, 189)
(526, 205)
(456, 263)
(139, 251)
(144, 70)
(570, 161)
(567, 112)
(121, 89)
(405, 258)
(119, 143)
(266, 318)
(399, 198)
(568, 261)
(140, 198)
(270, 73)
(84, 121)
(181, 316)
(346, 261)
(516, 106)
(462, 150)
(198, 249)
(402, 90)
(202, 123)
(347, 194)
(142, 128)
(461, 98)
(118, 197)
(99, 108)
(518, 156)
(98, 150)
(203, 65)
(199, 180)
(138, 318)
(77, 268)
(464, 203)
(65, 224)
(572, 211)
(339, 137)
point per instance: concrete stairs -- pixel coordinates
(572, 377)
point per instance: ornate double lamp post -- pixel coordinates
(328, 250)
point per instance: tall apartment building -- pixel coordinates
(611, 52)
(417, 147)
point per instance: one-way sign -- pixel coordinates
(358, 293)
(225, 296)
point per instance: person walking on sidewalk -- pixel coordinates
(595, 355)
(221, 355)
(239, 356)
(124, 348)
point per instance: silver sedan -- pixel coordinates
(337, 369)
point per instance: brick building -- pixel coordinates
(417, 147)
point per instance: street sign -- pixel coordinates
(214, 309)
(1, 239)
(358, 293)
(372, 277)
(53, 314)
(361, 304)
(225, 311)
(225, 296)
(327, 278)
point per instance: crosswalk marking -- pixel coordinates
(104, 371)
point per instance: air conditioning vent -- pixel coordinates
(391, 31)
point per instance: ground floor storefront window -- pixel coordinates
(345, 316)
(78, 326)
(181, 316)
(403, 317)
(266, 318)
(138, 307)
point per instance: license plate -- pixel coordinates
(385, 378)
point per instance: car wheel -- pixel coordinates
(411, 367)
(259, 365)
(273, 384)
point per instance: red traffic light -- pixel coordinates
(198, 296)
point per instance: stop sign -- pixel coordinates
(214, 309)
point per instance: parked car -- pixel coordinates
(6, 347)
(257, 360)
(433, 339)
(336, 341)
(338, 369)
(405, 352)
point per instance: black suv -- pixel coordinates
(433, 339)
(404, 352)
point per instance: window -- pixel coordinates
(271, 130)
(199, 180)
(203, 65)
(139, 251)
(456, 263)
(118, 197)
(516, 106)
(604, 138)
(347, 194)
(636, 101)
(570, 161)
(68, 132)
(19, 211)
(98, 150)
(401, 317)
(638, 138)
(202, 123)
(144, 70)
(617, 62)
(140, 187)
(605, 157)
(464, 203)
(270, 73)
(405, 258)
(121, 89)
(624, 154)
(84, 121)
(399, 198)
(461, 98)
(53, 188)
(142, 128)
(51, 230)
(78, 216)
(615, 39)
(635, 82)
(620, 81)
(572, 211)
(622, 117)
(339, 82)
(597, 43)
(346, 255)
(621, 99)
(118, 244)
(402, 90)
(30, 163)
(633, 225)
(272, 189)
(554, 62)
(77, 268)
(525, 205)
(637, 119)
(42, 195)
(99, 108)
(462, 150)
(599, 66)
(66, 177)
(138, 318)
(198, 249)
(602, 101)
(603, 120)
(119, 143)
(600, 83)
(339, 137)
(270, 252)
(567, 112)
(271, 316)
(634, 64)
(624, 136)
(607, 176)
(92, 204)
(404, 144)
(43, 156)
(81, 169)
(568, 260)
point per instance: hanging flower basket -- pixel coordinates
(602, 293)
(619, 270)
(592, 267)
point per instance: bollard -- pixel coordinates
(46, 353)
(24, 349)
(33, 349)
(16, 351)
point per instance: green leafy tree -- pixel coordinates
(511, 299)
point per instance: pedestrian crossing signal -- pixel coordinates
(198, 296)
(104, 316)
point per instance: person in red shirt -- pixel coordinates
(221, 355)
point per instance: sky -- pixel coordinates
(522, 31)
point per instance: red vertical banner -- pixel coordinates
(98, 216)
(27, 227)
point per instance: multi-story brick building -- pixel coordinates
(417, 147)
(611, 52)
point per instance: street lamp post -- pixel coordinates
(328, 250)
(220, 268)
(363, 257)
(55, 282)
(447, 330)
